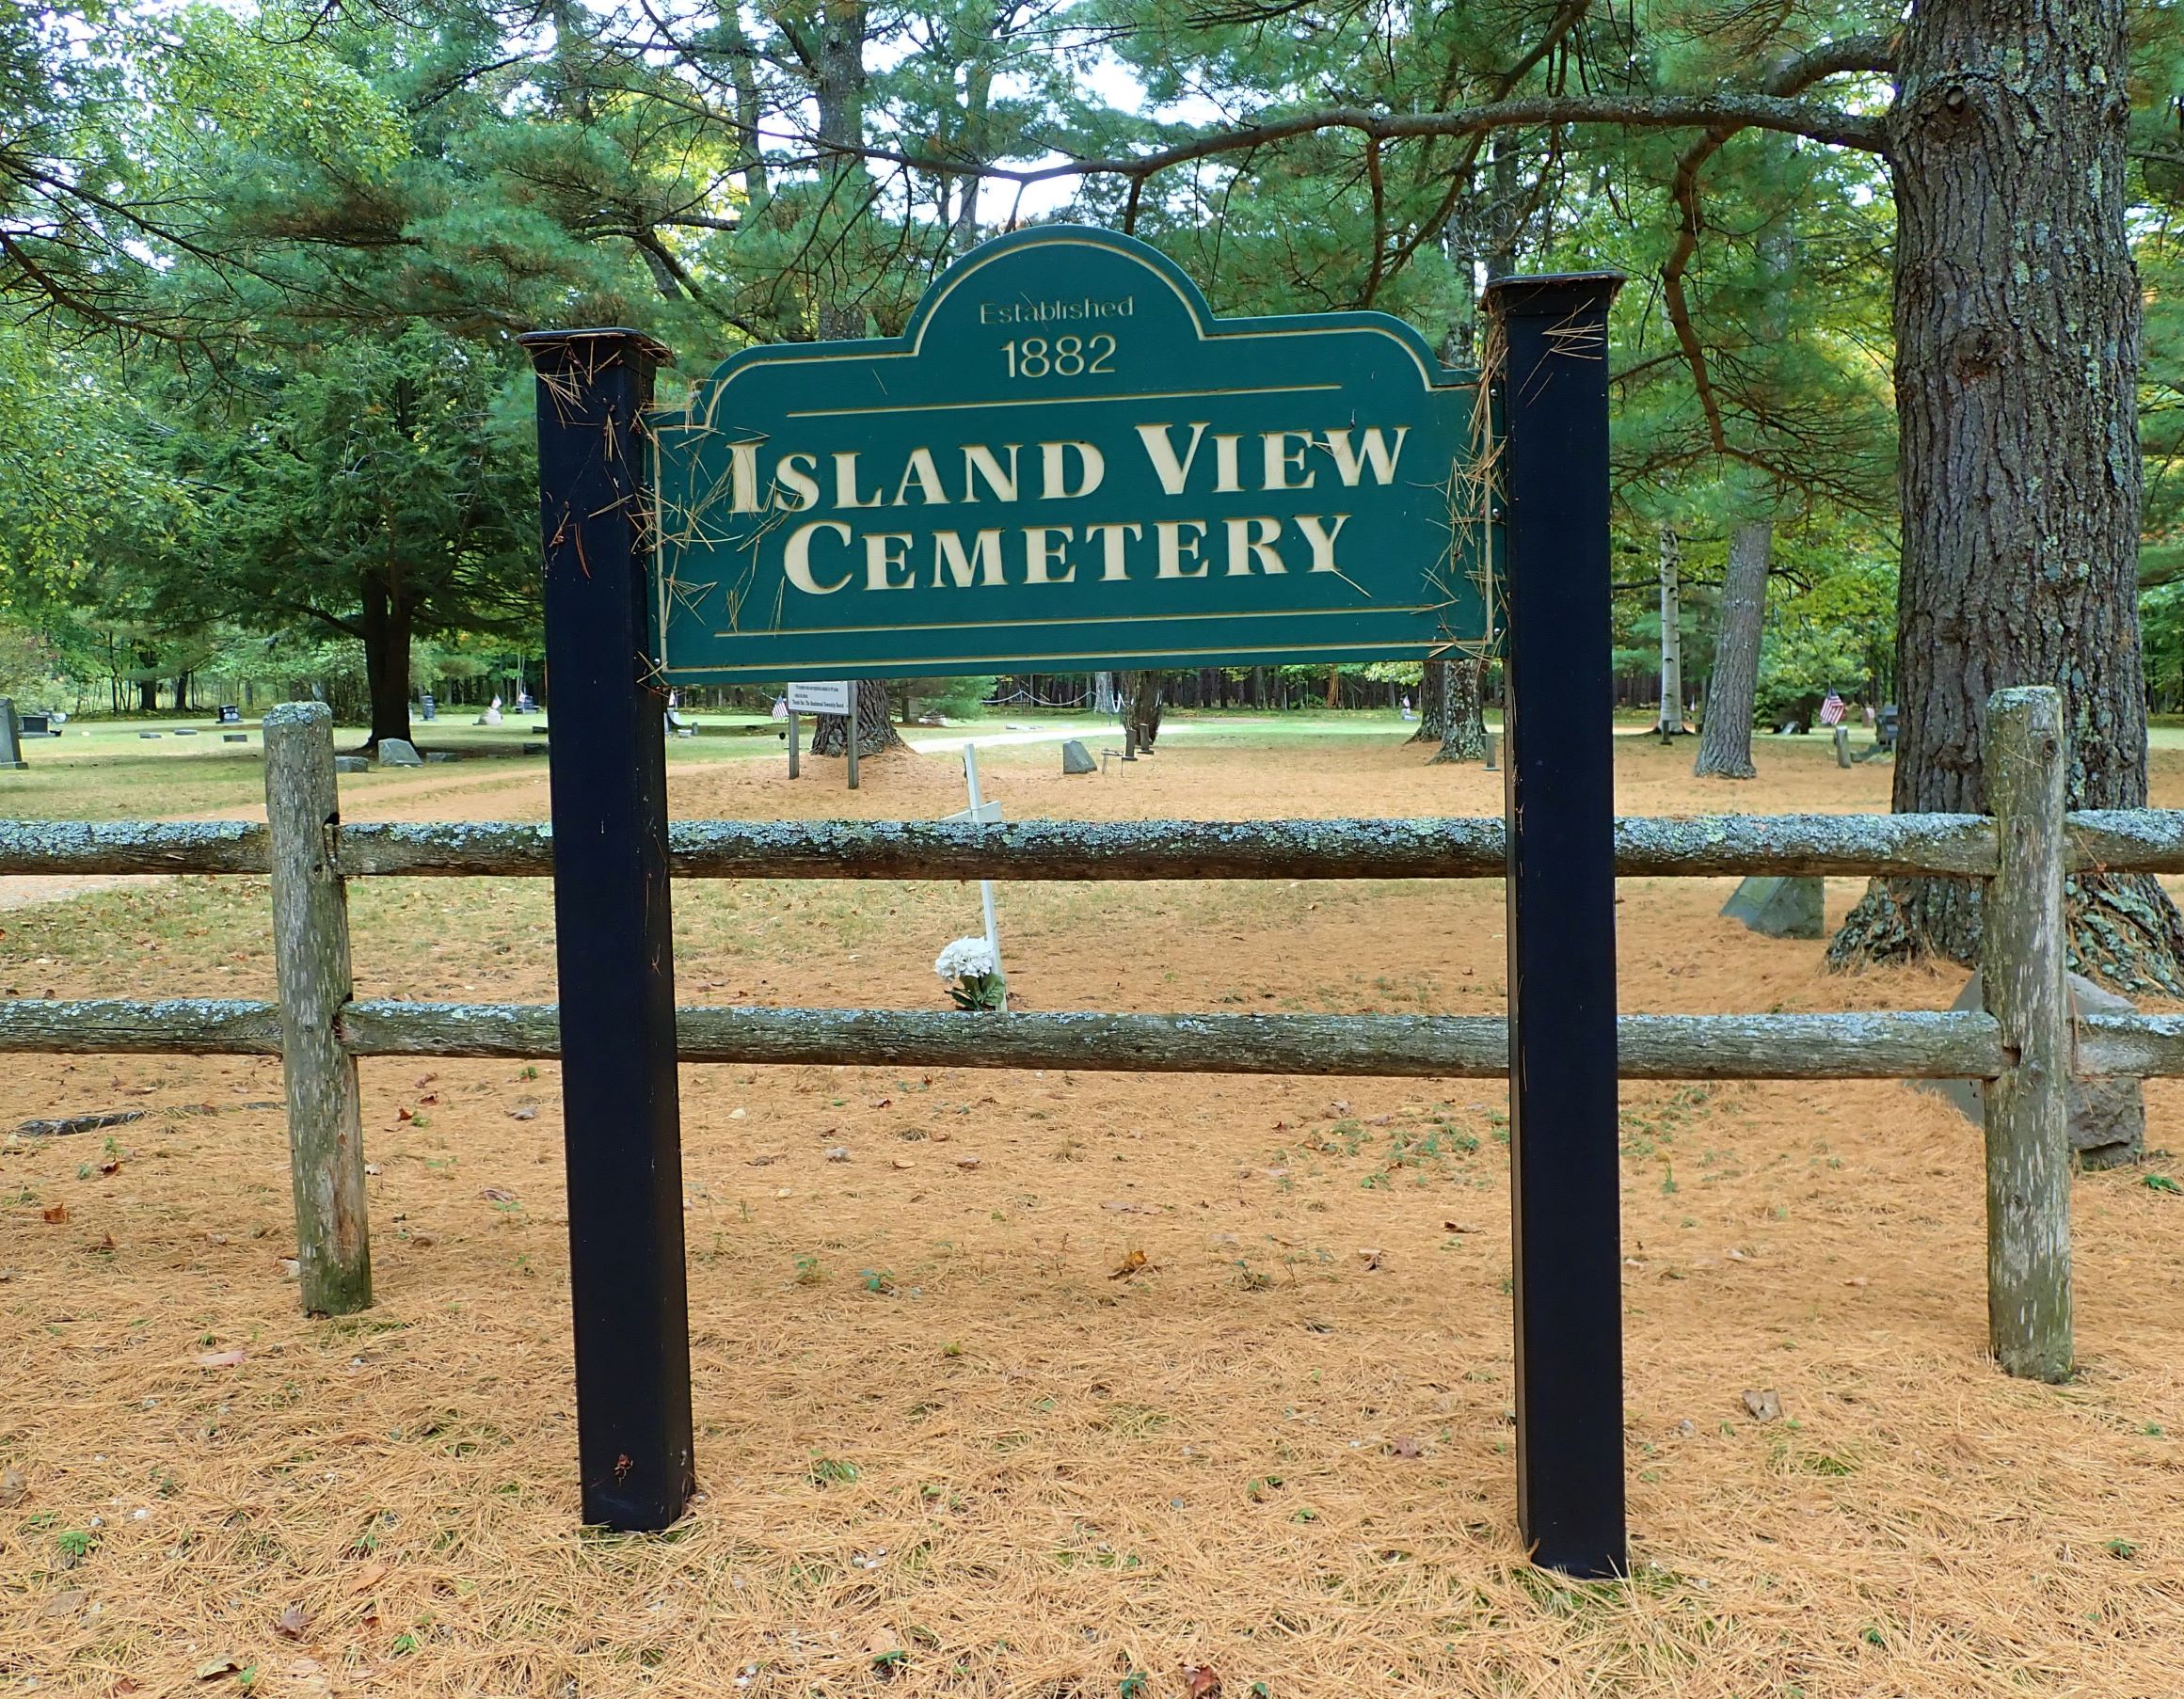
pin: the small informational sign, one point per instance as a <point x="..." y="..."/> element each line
<point x="835" y="696"/>
<point x="1067" y="461"/>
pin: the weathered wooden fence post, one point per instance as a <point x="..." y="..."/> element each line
<point x="310" y="958"/>
<point x="2024" y="950"/>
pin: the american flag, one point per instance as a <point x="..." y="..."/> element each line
<point x="1831" y="709"/>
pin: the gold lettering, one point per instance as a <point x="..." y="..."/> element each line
<point x="1172" y="550"/>
<point x="1282" y="460"/>
<point x="1170" y="471"/>
<point x="1111" y="546"/>
<point x="882" y="562"/>
<point x="1349" y="465"/>
<point x="984" y="558"/>
<point x="1254" y="539"/>
<point x="979" y="462"/>
<point x="1321" y="539"/>
<point x="744" y="477"/>
<point x="1224" y="464"/>
<point x="1039" y="553"/>
<point x="801" y="483"/>
<point x="926" y="475"/>
<point x="796" y="557"/>
<point x="845" y="482"/>
<point x="1054" y="470"/>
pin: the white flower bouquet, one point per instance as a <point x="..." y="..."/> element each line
<point x="974" y="975"/>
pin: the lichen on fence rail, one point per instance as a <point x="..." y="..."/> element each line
<point x="1862" y="1045"/>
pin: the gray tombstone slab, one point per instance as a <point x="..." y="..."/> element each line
<point x="2108" y="1116"/>
<point x="10" y="737"/>
<point x="1077" y="758"/>
<point x="234" y="737"/>
<point x="351" y="764"/>
<point x="399" y="752"/>
<point x="1781" y="907"/>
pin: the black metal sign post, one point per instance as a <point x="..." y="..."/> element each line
<point x="1561" y="922"/>
<point x="611" y="905"/>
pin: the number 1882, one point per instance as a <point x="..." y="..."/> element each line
<point x="1065" y="356"/>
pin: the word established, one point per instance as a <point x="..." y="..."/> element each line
<point x="1176" y="491"/>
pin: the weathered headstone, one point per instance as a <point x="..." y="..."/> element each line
<point x="351" y="764"/>
<point x="2108" y="1116"/>
<point x="399" y="752"/>
<point x="185" y="731"/>
<point x="234" y="737"/>
<point x="438" y="754"/>
<point x="10" y="737"/>
<point x="1077" y="758"/>
<point x="1842" y="746"/>
<point x="1782" y="907"/>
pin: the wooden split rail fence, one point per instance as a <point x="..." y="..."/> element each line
<point x="2027" y="1045"/>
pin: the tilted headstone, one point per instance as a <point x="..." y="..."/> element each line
<point x="2108" y="1114"/>
<point x="399" y="752"/>
<point x="1782" y="907"/>
<point x="351" y="764"/>
<point x="1077" y="758"/>
<point x="10" y="737"/>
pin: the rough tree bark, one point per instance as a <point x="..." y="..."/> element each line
<point x="385" y="625"/>
<point x="1463" y="735"/>
<point x="2016" y="320"/>
<point x="875" y="724"/>
<point x="1725" y="737"/>
<point x="1432" y="703"/>
<point x="1142" y="704"/>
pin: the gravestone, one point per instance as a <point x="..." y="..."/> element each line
<point x="185" y="731"/>
<point x="36" y="726"/>
<point x="1781" y="907"/>
<point x="230" y="714"/>
<point x="152" y="734"/>
<point x="2108" y="1116"/>
<point x="1842" y="746"/>
<point x="399" y="752"/>
<point x="1077" y="758"/>
<point x="234" y="737"/>
<point x="438" y="754"/>
<point x="428" y="705"/>
<point x="351" y="764"/>
<point x="10" y="737"/>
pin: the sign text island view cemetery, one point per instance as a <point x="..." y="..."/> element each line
<point x="1068" y="462"/>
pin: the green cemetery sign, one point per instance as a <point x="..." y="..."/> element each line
<point x="1066" y="461"/>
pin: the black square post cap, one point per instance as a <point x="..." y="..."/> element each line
<point x="543" y="345"/>
<point x="1552" y="294"/>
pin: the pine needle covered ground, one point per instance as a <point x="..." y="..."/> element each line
<point x="1074" y="1385"/>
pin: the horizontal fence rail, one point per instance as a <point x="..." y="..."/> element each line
<point x="1848" y="845"/>
<point x="1913" y="1045"/>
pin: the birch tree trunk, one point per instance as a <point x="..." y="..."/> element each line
<point x="1725" y="738"/>
<point x="2016" y="320"/>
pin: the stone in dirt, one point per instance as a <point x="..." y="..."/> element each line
<point x="351" y="764"/>
<point x="1782" y="907"/>
<point x="399" y="752"/>
<point x="2108" y="1116"/>
<point x="1077" y="758"/>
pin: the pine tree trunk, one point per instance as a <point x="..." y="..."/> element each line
<point x="2017" y="320"/>
<point x="386" y="622"/>
<point x="1141" y="704"/>
<point x="875" y="724"/>
<point x="1463" y="735"/>
<point x="1725" y="738"/>
<point x="1432" y="703"/>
